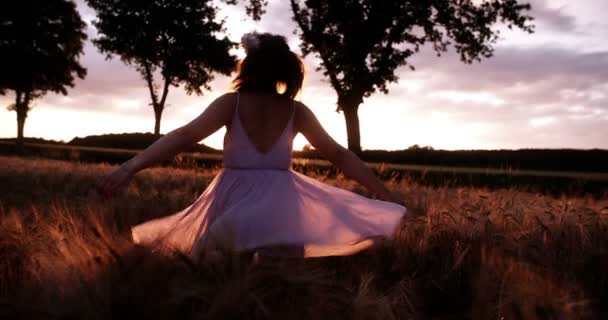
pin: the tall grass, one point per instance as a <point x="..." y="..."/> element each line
<point x="463" y="253"/>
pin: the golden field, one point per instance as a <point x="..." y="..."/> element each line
<point x="462" y="253"/>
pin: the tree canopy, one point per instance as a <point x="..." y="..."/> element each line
<point x="375" y="37"/>
<point x="254" y="8"/>
<point x="177" y="38"/>
<point x="361" y="43"/>
<point x="40" y="46"/>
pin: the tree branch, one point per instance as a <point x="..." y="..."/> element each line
<point x="165" y="92"/>
<point x="18" y="100"/>
<point x="26" y="101"/>
<point x="307" y="34"/>
<point x="166" y="75"/>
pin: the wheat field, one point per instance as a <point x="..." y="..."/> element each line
<point x="462" y="253"/>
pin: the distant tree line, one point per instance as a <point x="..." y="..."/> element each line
<point x="590" y="162"/>
<point x="133" y="141"/>
<point x="526" y="159"/>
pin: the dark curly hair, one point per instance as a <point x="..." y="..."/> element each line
<point x="270" y="67"/>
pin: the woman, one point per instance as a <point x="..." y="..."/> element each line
<point x="257" y="203"/>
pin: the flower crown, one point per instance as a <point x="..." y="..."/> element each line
<point x="250" y="41"/>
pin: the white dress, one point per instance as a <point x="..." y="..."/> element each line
<point x="258" y="203"/>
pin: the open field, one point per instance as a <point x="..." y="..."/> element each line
<point x="554" y="182"/>
<point x="464" y="252"/>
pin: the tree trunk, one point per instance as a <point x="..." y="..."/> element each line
<point x="352" y="127"/>
<point x="158" y="112"/>
<point x="20" y="125"/>
<point x="160" y="106"/>
<point x="21" y="107"/>
<point x="157" y="104"/>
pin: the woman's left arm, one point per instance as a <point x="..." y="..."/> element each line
<point x="215" y="116"/>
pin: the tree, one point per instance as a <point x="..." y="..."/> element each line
<point x="417" y="147"/>
<point x="40" y="43"/>
<point x="175" y="37"/>
<point x="254" y="8"/>
<point x="361" y="43"/>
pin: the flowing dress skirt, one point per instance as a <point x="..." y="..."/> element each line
<point x="248" y="209"/>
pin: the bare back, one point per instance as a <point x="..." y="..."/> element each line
<point x="264" y="118"/>
<point x="260" y="133"/>
<point x="263" y="122"/>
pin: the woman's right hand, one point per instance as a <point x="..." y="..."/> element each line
<point x="111" y="182"/>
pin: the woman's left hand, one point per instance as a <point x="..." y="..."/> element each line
<point x="392" y="196"/>
<point x="396" y="197"/>
<point x="116" y="179"/>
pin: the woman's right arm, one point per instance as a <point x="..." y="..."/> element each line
<point x="216" y="115"/>
<point x="345" y="160"/>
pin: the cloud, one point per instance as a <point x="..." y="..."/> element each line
<point x="553" y="18"/>
<point x="512" y="96"/>
<point x="532" y="77"/>
<point x="512" y="64"/>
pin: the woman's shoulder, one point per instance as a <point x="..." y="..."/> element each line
<point x="223" y="106"/>
<point x="227" y="97"/>
<point x="303" y="115"/>
<point x="301" y="108"/>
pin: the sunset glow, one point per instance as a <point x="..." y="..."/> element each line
<point x="545" y="90"/>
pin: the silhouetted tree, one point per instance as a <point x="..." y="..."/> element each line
<point x="417" y="147"/>
<point x="254" y="8"/>
<point x="40" y="43"/>
<point x="362" y="42"/>
<point x="176" y="37"/>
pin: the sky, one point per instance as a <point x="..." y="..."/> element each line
<point x="548" y="89"/>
